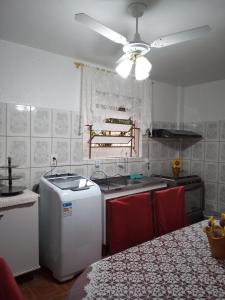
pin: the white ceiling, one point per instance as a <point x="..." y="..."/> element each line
<point x="50" y="25"/>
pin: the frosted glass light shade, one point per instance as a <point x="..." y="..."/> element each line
<point x="142" y="68"/>
<point x="124" y="67"/>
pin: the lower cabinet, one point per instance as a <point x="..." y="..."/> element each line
<point x="19" y="237"/>
<point x="129" y="221"/>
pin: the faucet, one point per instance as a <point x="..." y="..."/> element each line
<point x="125" y="161"/>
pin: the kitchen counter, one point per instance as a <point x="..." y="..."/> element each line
<point x="26" y="197"/>
<point x="120" y="186"/>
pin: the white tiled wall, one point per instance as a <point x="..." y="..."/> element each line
<point x="30" y="135"/>
<point x="207" y="159"/>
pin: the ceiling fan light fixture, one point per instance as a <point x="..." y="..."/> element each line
<point x="124" y="67"/>
<point x="142" y="68"/>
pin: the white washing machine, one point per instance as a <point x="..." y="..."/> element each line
<point x="70" y="224"/>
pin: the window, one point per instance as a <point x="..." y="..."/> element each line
<point x="109" y="105"/>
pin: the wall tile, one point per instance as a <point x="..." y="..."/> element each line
<point x="222" y="152"/>
<point x="163" y="153"/>
<point x="211" y="172"/>
<point x="211" y="202"/>
<point x="61" y="123"/>
<point x="135" y="168"/>
<point x="212" y="131"/>
<point x="18" y="120"/>
<point x="80" y="170"/>
<point x="40" y="152"/>
<point x="211" y="191"/>
<point x="36" y="174"/>
<point x="222" y="173"/>
<point x="2" y="119"/>
<point x="200" y="127"/>
<point x="156" y="124"/>
<point x="173" y="149"/>
<point x="2" y="150"/>
<point x="181" y="125"/>
<point x="197" y="168"/>
<point x="92" y="171"/>
<point x="41" y="122"/>
<point x="198" y="151"/>
<point x="76" y="130"/>
<point x="76" y="150"/>
<point x="186" y="150"/>
<point x="61" y="170"/>
<point x="154" y="150"/>
<point x="222" y="130"/>
<point x="166" y="125"/>
<point x="25" y="180"/>
<point x="121" y="166"/>
<point x="221" y="198"/>
<point x="155" y="167"/>
<point x="19" y="149"/>
<point x="211" y="151"/>
<point x="165" y="167"/>
<point x="186" y="166"/>
<point x="110" y="169"/>
<point x="145" y="148"/>
<point x="173" y="125"/>
<point x="61" y="147"/>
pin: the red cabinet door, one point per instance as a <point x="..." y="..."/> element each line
<point x="169" y="210"/>
<point x="129" y="221"/>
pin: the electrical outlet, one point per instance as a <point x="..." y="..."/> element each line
<point x="53" y="159"/>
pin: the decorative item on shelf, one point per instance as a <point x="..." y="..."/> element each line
<point x="10" y="190"/>
<point x="176" y="166"/>
<point x="119" y="121"/>
<point x="121" y="108"/>
<point x="104" y="145"/>
<point x="216" y="236"/>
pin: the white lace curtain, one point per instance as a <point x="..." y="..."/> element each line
<point x="107" y="95"/>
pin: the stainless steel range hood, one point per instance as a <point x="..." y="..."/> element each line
<point x="174" y="133"/>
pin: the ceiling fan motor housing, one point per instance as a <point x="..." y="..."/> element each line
<point x="139" y="48"/>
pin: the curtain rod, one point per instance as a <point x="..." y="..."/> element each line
<point x="81" y="64"/>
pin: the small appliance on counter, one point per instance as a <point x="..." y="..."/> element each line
<point x="10" y="190"/>
<point x="70" y="224"/>
<point x="194" y="193"/>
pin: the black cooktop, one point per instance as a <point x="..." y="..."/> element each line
<point x="170" y="176"/>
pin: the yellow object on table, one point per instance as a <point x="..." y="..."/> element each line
<point x="216" y="237"/>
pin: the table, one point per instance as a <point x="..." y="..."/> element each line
<point x="177" y="265"/>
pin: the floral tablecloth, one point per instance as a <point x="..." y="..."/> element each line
<point x="174" y="266"/>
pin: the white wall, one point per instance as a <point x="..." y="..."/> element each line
<point x="205" y="102"/>
<point x="32" y="76"/>
<point x="36" y="77"/>
<point x="165" y="102"/>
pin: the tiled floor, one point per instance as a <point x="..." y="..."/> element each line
<point x="44" y="287"/>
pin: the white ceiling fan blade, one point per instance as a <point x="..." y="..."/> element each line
<point x="180" y="37"/>
<point x="100" y="28"/>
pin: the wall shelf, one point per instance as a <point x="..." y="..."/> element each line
<point x="112" y="135"/>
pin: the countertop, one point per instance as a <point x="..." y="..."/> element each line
<point x="26" y="197"/>
<point x="143" y="185"/>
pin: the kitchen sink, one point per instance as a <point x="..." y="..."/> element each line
<point x="122" y="183"/>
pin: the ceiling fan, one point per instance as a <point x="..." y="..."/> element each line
<point x="135" y="50"/>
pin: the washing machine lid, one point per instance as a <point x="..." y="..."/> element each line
<point x="74" y="183"/>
